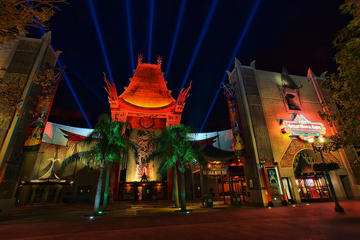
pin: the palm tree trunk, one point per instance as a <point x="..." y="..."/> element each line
<point x="202" y="186"/>
<point x="192" y="183"/>
<point x="106" y="190"/>
<point x="99" y="186"/>
<point x="183" y="191"/>
<point x="176" y="188"/>
<point x="338" y="208"/>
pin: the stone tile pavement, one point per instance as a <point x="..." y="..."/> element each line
<point x="158" y="221"/>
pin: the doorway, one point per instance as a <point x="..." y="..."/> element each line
<point x="288" y="189"/>
<point x="140" y="192"/>
<point x="312" y="186"/>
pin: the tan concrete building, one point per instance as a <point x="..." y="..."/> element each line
<point x="279" y="161"/>
<point x="21" y="62"/>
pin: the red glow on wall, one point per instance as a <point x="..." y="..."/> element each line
<point x="236" y="164"/>
<point x="146" y="102"/>
<point x="303" y="128"/>
<point x="148" y="88"/>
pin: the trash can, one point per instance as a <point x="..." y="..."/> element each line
<point x="236" y="199"/>
<point x="209" y="201"/>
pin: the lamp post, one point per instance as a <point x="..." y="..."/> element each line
<point x="320" y="146"/>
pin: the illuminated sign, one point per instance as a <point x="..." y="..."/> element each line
<point x="302" y="128"/>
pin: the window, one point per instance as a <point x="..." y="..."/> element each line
<point x="291" y="102"/>
<point x="291" y="99"/>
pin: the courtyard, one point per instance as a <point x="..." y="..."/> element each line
<point x="159" y="221"/>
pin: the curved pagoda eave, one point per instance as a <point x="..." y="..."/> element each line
<point x="131" y="107"/>
<point x="147" y="88"/>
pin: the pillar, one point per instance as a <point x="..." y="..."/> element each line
<point x="33" y="193"/>
<point x="45" y="194"/>
<point x="57" y="193"/>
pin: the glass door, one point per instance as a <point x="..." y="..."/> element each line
<point x="312" y="188"/>
<point x="288" y="189"/>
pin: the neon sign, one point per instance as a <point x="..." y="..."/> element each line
<point x="303" y="128"/>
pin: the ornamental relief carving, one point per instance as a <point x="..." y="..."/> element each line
<point x="295" y="147"/>
<point x="146" y="122"/>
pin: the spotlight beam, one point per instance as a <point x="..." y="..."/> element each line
<point x="67" y="80"/>
<point x="92" y="90"/>
<point x="131" y="47"/>
<point x="68" y="83"/>
<point x="199" y="42"/>
<point x="151" y="17"/>
<point x="238" y="45"/>
<point x="101" y="41"/>
<point x="173" y="44"/>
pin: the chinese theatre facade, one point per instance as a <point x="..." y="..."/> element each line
<point x="148" y="106"/>
<point x="282" y="131"/>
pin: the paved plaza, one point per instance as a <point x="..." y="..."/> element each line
<point x="158" y="221"/>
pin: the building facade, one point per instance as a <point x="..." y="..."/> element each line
<point x="279" y="119"/>
<point x="148" y="106"/>
<point x="22" y="63"/>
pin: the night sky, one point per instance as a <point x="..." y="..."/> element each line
<point x="294" y="34"/>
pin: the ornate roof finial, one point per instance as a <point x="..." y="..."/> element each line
<point x="287" y="81"/>
<point x="159" y="60"/>
<point x="140" y="57"/>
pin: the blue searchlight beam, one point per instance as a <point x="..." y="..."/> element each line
<point x="67" y="80"/>
<point x="88" y="86"/>
<point x="151" y="16"/>
<point x="173" y="44"/>
<point x="129" y="27"/>
<point x="101" y="41"/>
<point x="238" y="45"/>
<point x="68" y="83"/>
<point x="199" y="42"/>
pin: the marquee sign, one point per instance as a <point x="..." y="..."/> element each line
<point x="303" y="128"/>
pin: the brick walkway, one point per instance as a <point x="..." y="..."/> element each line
<point x="158" y="221"/>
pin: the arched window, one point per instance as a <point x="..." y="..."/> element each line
<point x="303" y="161"/>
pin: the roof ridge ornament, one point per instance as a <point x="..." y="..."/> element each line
<point x="110" y="88"/>
<point x="287" y="81"/>
<point x="140" y="57"/>
<point x="159" y="60"/>
<point x="252" y="64"/>
<point x="310" y="74"/>
<point x="184" y="94"/>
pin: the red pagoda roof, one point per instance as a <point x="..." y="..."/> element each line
<point x="147" y="88"/>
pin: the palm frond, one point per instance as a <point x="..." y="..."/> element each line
<point x="86" y="157"/>
<point x="173" y="146"/>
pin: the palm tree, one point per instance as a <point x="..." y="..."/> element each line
<point x="175" y="150"/>
<point x="107" y="143"/>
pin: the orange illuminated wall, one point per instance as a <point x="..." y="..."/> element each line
<point x="146" y="103"/>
